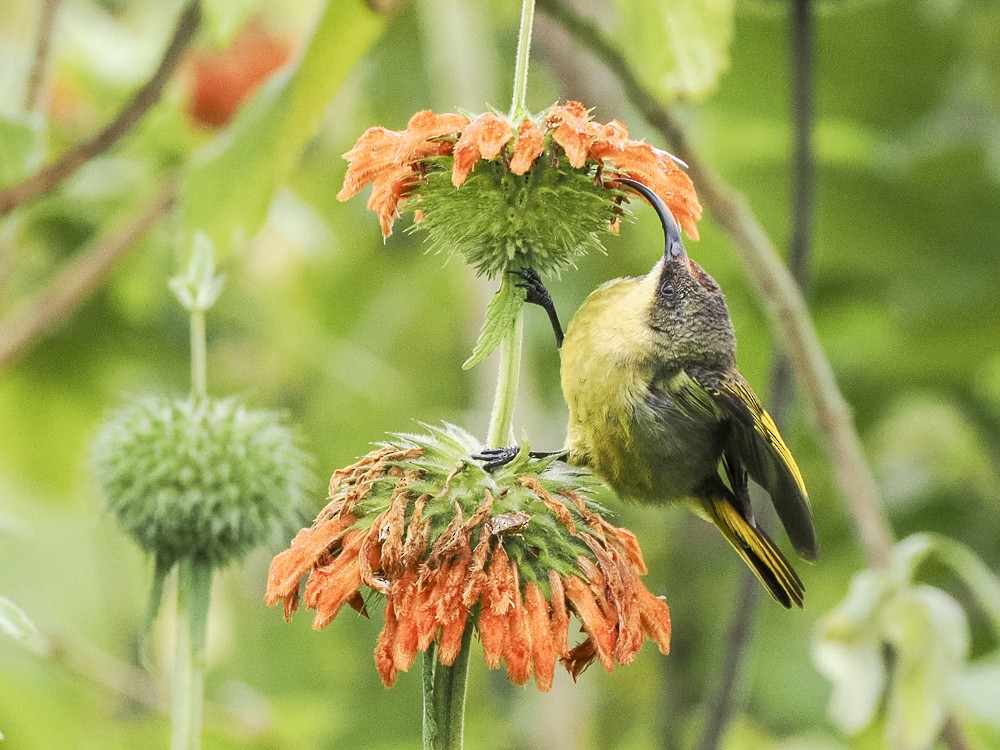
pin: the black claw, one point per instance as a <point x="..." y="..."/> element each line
<point x="537" y="294"/>
<point x="494" y="458"/>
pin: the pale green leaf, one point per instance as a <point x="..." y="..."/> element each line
<point x="929" y="635"/>
<point x="857" y="673"/>
<point x="227" y="194"/>
<point x="680" y="48"/>
<point x="977" y="692"/>
<point x="984" y="583"/>
<point x="13" y="622"/>
<point x="501" y="317"/>
<point x="847" y="649"/>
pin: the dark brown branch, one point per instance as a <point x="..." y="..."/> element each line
<point x="782" y="298"/>
<point x="78" y="280"/>
<point x="47" y="178"/>
<point x="40" y="62"/>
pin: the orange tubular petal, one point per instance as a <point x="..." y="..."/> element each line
<point x="631" y="544"/>
<point x="517" y="650"/>
<point x="579" y="658"/>
<point x="544" y="651"/>
<point x="527" y="148"/>
<point x="560" y="615"/>
<point x="331" y="585"/>
<point x="451" y="638"/>
<point x="574" y="130"/>
<point x="493" y="633"/>
<point x="384" y="660"/>
<point x="655" y="615"/>
<point x="288" y="567"/>
<point x="483" y="138"/>
<point x="602" y="633"/>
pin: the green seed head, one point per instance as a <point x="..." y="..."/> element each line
<point x="197" y="478"/>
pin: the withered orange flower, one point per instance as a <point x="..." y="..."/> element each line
<point x="395" y="162"/>
<point x="442" y="567"/>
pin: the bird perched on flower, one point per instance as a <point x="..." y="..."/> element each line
<point x="657" y="406"/>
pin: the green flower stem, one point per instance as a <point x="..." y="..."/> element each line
<point x="519" y="106"/>
<point x="506" y="394"/>
<point x="194" y="581"/>
<point x="199" y="353"/>
<point x="444" y="697"/>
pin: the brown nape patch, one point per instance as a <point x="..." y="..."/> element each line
<point x="706" y="281"/>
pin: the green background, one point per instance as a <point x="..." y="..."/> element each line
<point x="354" y="337"/>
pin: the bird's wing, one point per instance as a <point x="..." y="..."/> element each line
<point x="755" y="442"/>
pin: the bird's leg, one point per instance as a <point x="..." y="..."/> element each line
<point x="537" y="294"/>
<point x="494" y="458"/>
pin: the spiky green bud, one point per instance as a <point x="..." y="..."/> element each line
<point x="199" y="478"/>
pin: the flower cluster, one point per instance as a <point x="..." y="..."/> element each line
<point x="449" y="546"/>
<point x="537" y="194"/>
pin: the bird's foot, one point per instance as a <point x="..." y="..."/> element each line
<point x="494" y="458"/>
<point x="535" y="292"/>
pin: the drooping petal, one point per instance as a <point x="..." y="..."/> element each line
<point x="601" y="632"/>
<point x="528" y="147"/>
<point x="544" y="652"/>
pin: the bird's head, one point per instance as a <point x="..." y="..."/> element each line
<point x="688" y="308"/>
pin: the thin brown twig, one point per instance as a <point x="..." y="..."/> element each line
<point x="777" y="289"/>
<point x="43" y="46"/>
<point x="78" y="280"/>
<point x="51" y="175"/>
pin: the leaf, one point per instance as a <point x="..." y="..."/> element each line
<point x="847" y="649"/>
<point x="501" y="317"/>
<point x="930" y="638"/>
<point x="680" y="48"/>
<point x="985" y="584"/>
<point x="977" y="691"/>
<point x="13" y="622"/>
<point x="228" y="193"/>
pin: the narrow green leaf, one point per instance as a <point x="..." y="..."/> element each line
<point x="680" y="48"/>
<point x="501" y="317"/>
<point x="160" y="570"/>
<point x="13" y="622"/>
<point x="228" y="193"/>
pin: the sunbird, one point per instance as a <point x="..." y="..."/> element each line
<point x="659" y="410"/>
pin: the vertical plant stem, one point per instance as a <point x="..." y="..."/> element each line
<point x="43" y="46"/>
<point x="502" y="415"/>
<point x="519" y="106"/>
<point x="194" y="581"/>
<point x="199" y="353"/>
<point x="444" y="697"/>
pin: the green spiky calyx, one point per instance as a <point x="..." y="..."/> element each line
<point x="199" y="478"/>
<point x="443" y="471"/>
<point x="546" y="219"/>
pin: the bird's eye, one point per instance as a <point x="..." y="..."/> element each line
<point x="666" y="289"/>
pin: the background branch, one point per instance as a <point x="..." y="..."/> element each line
<point x="43" y="46"/>
<point x="78" y="280"/>
<point x="47" y="178"/>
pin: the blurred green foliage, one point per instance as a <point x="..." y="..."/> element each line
<point x="356" y="338"/>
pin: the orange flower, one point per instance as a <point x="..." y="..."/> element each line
<point x="395" y="162"/>
<point x="442" y="568"/>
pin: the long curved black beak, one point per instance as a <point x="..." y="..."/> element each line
<point x="673" y="246"/>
